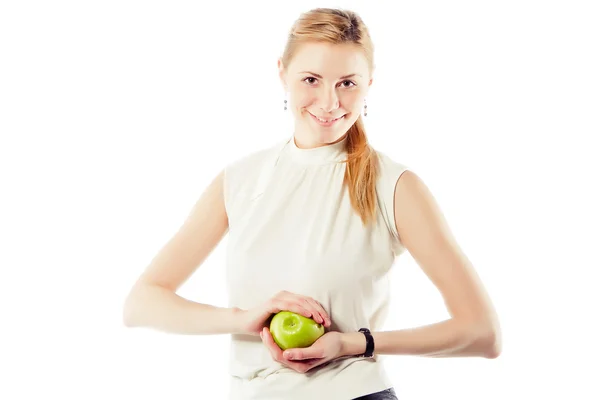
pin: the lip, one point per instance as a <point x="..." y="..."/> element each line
<point x="327" y="124"/>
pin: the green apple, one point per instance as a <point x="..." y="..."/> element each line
<point x="291" y="330"/>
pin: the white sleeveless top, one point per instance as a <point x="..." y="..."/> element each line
<point x="292" y="227"/>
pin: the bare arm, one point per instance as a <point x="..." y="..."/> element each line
<point x="153" y="302"/>
<point x="473" y="329"/>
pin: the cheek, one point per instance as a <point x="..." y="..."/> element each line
<point x="302" y="100"/>
<point x="354" y="103"/>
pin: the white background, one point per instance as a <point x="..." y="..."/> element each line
<point x="115" y="116"/>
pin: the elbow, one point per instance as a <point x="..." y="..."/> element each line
<point x="491" y="340"/>
<point x="494" y="345"/>
<point x="127" y="314"/>
<point x="137" y="310"/>
<point x="484" y="338"/>
<point x="129" y="309"/>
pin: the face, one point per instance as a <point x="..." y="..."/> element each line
<point x="327" y="85"/>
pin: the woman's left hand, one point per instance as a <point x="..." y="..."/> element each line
<point x="328" y="347"/>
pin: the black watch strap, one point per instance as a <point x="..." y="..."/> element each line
<point x="370" y="342"/>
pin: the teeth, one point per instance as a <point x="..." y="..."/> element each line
<point x="326" y="121"/>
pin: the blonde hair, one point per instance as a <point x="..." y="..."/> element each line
<point x="337" y="26"/>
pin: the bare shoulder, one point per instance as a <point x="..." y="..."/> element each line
<point x="186" y="250"/>
<point x="415" y="203"/>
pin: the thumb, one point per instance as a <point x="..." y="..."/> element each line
<point x="303" y="354"/>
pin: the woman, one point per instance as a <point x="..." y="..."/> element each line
<point x="314" y="225"/>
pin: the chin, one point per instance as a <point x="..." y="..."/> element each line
<point x="327" y="137"/>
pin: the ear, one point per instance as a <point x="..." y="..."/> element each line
<point x="282" y="76"/>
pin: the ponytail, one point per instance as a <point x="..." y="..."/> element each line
<point x="362" y="170"/>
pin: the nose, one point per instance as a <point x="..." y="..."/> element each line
<point x="328" y="100"/>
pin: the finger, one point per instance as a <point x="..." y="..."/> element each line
<point x="315" y="363"/>
<point x="290" y="306"/>
<point x="277" y="353"/>
<point x="314" y="309"/>
<point x="310" y="304"/>
<point x="308" y="365"/>
<point x="309" y="353"/>
<point x="296" y="303"/>
<point x="304" y="366"/>
<point x="325" y="319"/>
<point x="300" y="308"/>
<point x="273" y="348"/>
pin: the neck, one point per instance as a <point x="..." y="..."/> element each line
<point x="308" y="140"/>
<point x="316" y="152"/>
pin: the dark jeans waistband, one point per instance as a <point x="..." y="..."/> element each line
<point x="388" y="394"/>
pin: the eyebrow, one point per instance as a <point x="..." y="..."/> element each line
<point x="319" y="76"/>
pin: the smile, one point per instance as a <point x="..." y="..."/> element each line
<point x="324" y="122"/>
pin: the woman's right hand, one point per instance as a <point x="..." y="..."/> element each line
<point x="253" y="320"/>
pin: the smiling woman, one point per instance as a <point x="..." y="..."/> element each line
<point x="326" y="208"/>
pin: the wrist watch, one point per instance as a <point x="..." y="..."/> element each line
<point x="370" y="343"/>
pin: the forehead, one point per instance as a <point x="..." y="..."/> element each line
<point x="329" y="60"/>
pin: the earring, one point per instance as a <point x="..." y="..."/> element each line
<point x="365" y="108"/>
<point x="284" y="105"/>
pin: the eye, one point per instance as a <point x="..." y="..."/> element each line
<point x="343" y="83"/>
